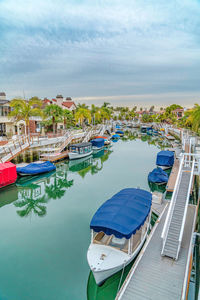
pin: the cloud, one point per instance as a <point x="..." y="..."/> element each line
<point x="103" y="48"/>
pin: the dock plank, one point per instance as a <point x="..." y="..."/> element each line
<point x="156" y="277"/>
<point x="173" y="176"/>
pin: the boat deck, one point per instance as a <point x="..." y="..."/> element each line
<point x="155" y="277"/>
<point x="54" y="157"/>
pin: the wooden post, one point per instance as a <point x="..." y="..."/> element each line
<point x="4" y="150"/>
<point x="11" y="152"/>
<point x="14" y="144"/>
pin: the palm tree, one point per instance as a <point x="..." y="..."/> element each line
<point x="83" y="114"/>
<point x="195" y="117"/>
<point x="54" y="113"/>
<point x="67" y="118"/>
<point x="23" y="109"/>
<point x="105" y="104"/>
<point x="82" y="106"/>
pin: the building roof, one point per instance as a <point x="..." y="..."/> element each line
<point x="2" y="102"/>
<point x="2" y="94"/>
<point x="59" y="96"/>
<point x="68" y="104"/>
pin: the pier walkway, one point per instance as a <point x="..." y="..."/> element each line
<point x="156" y="277"/>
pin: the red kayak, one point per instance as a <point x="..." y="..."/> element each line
<point x="8" y="174"/>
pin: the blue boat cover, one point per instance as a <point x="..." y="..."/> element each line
<point x="98" y="142"/>
<point x="115" y="136"/>
<point x="37" y="168"/>
<point x="158" y="176"/>
<point x="119" y="132"/>
<point x="165" y="158"/>
<point x="123" y="214"/>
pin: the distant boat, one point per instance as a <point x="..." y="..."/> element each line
<point x="119" y="132"/>
<point x="97" y="144"/>
<point x="118" y="231"/>
<point x="165" y="159"/>
<point x="158" y="176"/>
<point x="36" y="168"/>
<point x="80" y="150"/>
<point x="115" y="136"/>
<point x="8" y="174"/>
<point x="106" y="139"/>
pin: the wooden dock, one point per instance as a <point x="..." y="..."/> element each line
<point x="173" y="176"/>
<point x="55" y="156"/>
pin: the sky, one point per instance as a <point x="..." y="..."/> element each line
<point x="126" y="52"/>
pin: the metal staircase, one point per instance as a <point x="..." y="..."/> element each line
<point x="174" y="225"/>
<point x="68" y="138"/>
<point x="14" y="148"/>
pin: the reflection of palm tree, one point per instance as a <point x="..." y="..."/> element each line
<point x="31" y="205"/>
<point x="55" y="190"/>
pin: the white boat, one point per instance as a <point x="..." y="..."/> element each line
<point x="80" y="150"/>
<point x="118" y="232"/>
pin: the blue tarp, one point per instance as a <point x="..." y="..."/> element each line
<point x="158" y="176"/>
<point x="117" y="126"/>
<point x="115" y="136"/>
<point x="165" y="158"/>
<point x="98" y="142"/>
<point x="36" y="168"/>
<point x="123" y="214"/>
<point x="119" y="132"/>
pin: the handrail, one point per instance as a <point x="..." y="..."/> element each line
<point x="173" y="200"/>
<point x="186" y="206"/>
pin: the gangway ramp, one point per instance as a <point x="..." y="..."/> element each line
<point x="174" y="225"/>
<point x="153" y="276"/>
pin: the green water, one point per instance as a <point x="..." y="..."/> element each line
<point x="44" y="222"/>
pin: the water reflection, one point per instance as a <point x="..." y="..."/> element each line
<point x="155" y="140"/>
<point x="33" y="193"/>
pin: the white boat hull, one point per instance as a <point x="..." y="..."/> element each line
<point x="116" y="261"/>
<point x="96" y="149"/>
<point x="74" y="155"/>
<point x="164" y="167"/>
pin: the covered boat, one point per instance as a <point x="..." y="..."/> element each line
<point x="118" y="231"/>
<point x="8" y="174"/>
<point x="80" y="150"/>
<point x="158" y="176"/>
<point x="165" y="159"/>
<point x="106" y="139"/>
<point x="97" y="144"/>
<point x="36" y="168"/>
<point x="115" y="136"/>
<point x="119" y="132"/>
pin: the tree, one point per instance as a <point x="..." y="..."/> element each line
<point x="82" y="106"/>
<point x="152" y="108"/>
<point x="105" y="104"/>
<point x="82" y="114"/>
<point x="195" y="117"/>
<point x="24" y="109"/>
<point x="67" y="118"/>
<point x="54" y="113"/>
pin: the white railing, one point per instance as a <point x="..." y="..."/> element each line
<point x="186" y="206"/>
<point x="172" y="204"/>
<point x="15" y="147"/>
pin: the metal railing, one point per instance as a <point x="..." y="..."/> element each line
<point x="186" y="206"/>
<point x="172" y="204"/>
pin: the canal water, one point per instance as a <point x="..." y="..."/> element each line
<point x="44" y="221"/>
